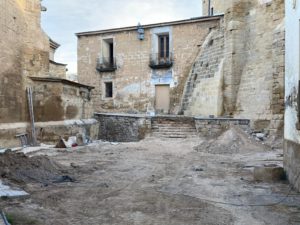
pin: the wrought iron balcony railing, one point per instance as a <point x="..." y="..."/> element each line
<point x="161" y="60"/>
<point x="106" y="64"/>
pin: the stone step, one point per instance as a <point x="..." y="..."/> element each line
<point x="173" y="124"/>
<point x="174" y="130"/>
<point x="174" y="135"/>
<point x="171" y="127"/>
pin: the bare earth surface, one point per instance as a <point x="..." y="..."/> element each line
<point x="155" y="181"/>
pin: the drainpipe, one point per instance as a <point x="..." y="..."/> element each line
<point x="209" y="7"/>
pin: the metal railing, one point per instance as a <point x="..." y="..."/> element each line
<point x="106" y="64"/>
<point x="161" y="60"/>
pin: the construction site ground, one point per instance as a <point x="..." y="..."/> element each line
<point x="154" y="181"/>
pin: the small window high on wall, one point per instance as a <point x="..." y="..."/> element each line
<point x="108" y="89"/>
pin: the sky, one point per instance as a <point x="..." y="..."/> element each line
<point x="64" y="18"/>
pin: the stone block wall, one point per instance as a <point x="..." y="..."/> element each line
<point x="123" y="128"/>
<point x="214" y="127"/>
<point x="24" y="51"/>
<point x="51" y="132"/>
<point x="203" y="93"/>
<point x="134" y="81"/>
<point x="256" y="96"/>
<point x="218" y="6"/>
<point x="57" y="70"/>
<point x="55" y="101"/>
<point x="253" y="83"/>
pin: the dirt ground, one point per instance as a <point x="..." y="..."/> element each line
<point x="154" y="181"/>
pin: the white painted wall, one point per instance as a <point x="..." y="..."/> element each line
<point x="292" y="66"/>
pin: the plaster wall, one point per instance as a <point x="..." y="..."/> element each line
<point x="291" y="125"/>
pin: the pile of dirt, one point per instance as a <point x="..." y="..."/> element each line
<point x="19" y="168"/>
<point x="232" y="141"/>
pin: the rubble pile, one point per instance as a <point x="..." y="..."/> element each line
<point x="232" y="141"/>
<point x="21" y="169"/>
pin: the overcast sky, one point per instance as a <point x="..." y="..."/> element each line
<point x="63" y="18"/>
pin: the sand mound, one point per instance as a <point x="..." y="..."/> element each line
<point x="20" y="168"/>
<point x="232" y="141"/>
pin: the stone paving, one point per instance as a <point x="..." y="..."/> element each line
<point x="6" y="191"/>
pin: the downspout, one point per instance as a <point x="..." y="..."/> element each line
<point x="209" y="8"/>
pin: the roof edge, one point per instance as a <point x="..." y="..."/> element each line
<point x="61" y="80"/>
<point x="176" y="22"/>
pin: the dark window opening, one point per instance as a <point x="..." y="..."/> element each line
<point x="108" y="90"/>
<point x="164" y="46"/>
<point x="212" y="11"/>
<point x="298" y="101"/>
<point x="111" y="53"/>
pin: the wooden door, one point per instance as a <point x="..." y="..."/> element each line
<point x="162" y="98"/>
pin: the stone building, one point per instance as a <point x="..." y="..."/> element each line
<point x="27" y="60"/>
<point x="252" y="83"/>
<point x="230" y="62"/>
<point x="141" y="68"/>
<point x="292" y="93"/>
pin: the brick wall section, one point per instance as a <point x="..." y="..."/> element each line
<point x="132" y="81"/>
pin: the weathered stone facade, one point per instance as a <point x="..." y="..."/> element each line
<point x="134" y="81"/>
<point x="24" y="51"/>
<point x="248" y="82"/>
<point x="58" y="99"/>
<point x="27" y="53"/>
<point x="134" y="127"/>
<point x="235" y="71"/>
<point x="214" y="7"/>
<point x="203" y="94"/>
<point x="292" y="93"/>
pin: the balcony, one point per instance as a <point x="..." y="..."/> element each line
<point x="161" y="60"/>
<point x="106" y="64"/>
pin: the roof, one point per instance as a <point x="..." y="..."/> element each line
<point x="60" y="80"/>
<point x="57" y="63"/>
<point x="177" y="22"/>
<point x="53" y="44"/>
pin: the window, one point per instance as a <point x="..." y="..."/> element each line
<point x="212" y="11"/>
<point x="108" y="89"/>
<point x="163" y="46"/>
<point x="108" y="52"/>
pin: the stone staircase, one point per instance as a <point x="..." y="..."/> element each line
<point x="173" y="127"/>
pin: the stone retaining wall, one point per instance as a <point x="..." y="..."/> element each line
<point x="123" y="127"/>
<point x="47" y="132"/>
<point x="215" y="126"/>
<point x="128" y="127"/>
